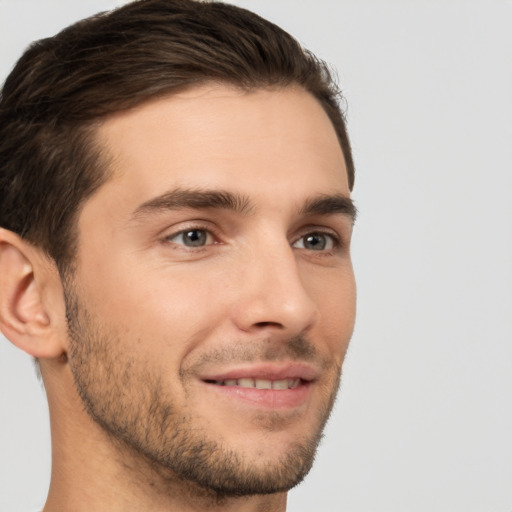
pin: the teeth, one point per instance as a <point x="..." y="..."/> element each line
<point x="263" y="384"/>
<point x="260" y="383"/>
<point x="296" y="383"/>
<point x="246" y="383"/>
<point x="280" y="384"/>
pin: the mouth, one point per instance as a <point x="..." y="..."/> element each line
<point x="269" y="387"/>
<point x="249" y="383"/>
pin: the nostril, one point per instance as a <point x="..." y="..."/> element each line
<point x="268" y="324"/>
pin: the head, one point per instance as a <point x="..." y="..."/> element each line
<point x="148" y="154"/>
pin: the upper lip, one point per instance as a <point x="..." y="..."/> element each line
<point x="266" y="371"/>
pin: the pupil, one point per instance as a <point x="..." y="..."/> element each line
<point x="194" y="238"/>
<point x="315" y="241"/>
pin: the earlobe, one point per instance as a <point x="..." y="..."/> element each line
<point x="24" y="319"/>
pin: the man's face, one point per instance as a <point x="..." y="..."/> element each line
<point x="214" y="296"/>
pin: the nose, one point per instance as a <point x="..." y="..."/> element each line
<point x="272" y="296"/>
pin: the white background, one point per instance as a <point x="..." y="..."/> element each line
<point x="424" y="422"/>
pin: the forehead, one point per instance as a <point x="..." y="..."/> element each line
<point x="265" y="141"/>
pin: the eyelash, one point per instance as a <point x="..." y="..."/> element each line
<point x="335" y="239"/>
<point x="207" y="230"/>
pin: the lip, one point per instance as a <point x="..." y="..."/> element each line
<point x="270" y="399"/>
<point x="302" y="371"/>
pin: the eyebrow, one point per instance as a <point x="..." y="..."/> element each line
<point x="194" y="199"/>
<point x="225" y="200"/>
<point x="329" y="205"/>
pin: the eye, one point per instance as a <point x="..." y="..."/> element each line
<point x="316" y="242"/>
<point x="192" y="238"/>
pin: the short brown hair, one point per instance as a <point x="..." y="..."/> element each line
<point x="62" y="86"/>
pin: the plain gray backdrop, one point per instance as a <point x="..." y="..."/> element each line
<point x="424" y="420"/>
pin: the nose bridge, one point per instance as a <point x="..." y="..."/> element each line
<point x="272" y="294"/>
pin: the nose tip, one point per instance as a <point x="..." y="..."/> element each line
<point x="273" y="297"/>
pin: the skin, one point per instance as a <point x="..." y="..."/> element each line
<point x="154" y="319"/>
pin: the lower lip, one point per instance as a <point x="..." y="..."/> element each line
<point x="266" y="398"/>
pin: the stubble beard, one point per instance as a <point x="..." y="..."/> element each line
<point x="132" y="405"/>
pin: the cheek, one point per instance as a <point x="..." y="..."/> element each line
<point x="155" y="310"/>
<point x="336" y="301"/>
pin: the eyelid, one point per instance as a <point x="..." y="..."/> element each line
<point x="337" y="238"/>
<point x="334" y="241"/>
<point x="208" y="241"/>
<point x="190" y="226"/>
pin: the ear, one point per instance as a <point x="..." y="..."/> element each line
<point x="31" y="313"/>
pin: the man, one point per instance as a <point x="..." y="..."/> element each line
<point x="175" y="252"/>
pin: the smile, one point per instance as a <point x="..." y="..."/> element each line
<point x="282" y="384"/>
